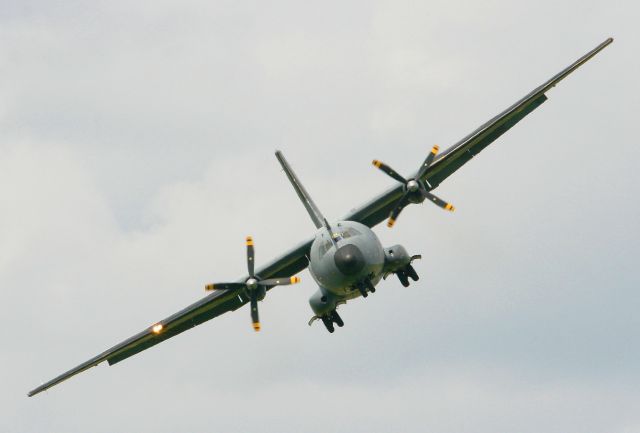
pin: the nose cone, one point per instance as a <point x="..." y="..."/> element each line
<point x="349" y="259"/>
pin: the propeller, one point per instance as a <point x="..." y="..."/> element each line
<point x="413" y="187"/>
<point x="253" y="287"/>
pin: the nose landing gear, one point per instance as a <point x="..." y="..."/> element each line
<point x="365" y="286"/>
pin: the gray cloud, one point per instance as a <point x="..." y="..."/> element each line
<point x="136" y="138"/>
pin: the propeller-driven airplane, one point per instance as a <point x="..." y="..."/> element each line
<point x="345" y="258"/>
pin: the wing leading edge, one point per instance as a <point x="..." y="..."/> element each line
<point x="295" y="260"/>
<point x="207" y="308"/>
<point x="460" y="153"/>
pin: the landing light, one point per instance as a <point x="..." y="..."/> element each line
<point x="157" y="328"/>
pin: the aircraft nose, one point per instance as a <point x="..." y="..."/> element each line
<point x="349" y="259"/>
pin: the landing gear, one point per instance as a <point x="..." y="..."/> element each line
<point x="370" y="285"/>
<point x="335" y="318"/>
<point x="406" y="273"/>
<point x="402" y="276"/>
<point x="328" y="323"/>
<point x="329" y="320"/>
<point x="365" y="286"/>
<point x="398" y="261"/>
<point x="412" y="273"/>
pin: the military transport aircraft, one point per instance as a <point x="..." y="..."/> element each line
<point x="345" y="258"/>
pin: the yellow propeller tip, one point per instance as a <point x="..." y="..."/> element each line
<point x="450" y="207"/>
<point x="249" y="240"/>
<point x="391" y="222"/>
<point x="209" y="287"/>
<point x="376" y="163"/>
<point x="256" y="326"/>
<point x="295" y="280"/>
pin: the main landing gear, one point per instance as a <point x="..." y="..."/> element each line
<point x="406" y="273"/>
<point x="330" y="319"/>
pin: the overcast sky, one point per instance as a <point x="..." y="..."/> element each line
<point x="136" y="152"/>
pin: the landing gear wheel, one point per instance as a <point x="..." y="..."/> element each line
<point x="335" y="318"/>
<point x="412" y="273"/>
<point x="328" y="324"/>
<point x="370" y="286"/>
<point x="403" y="278"/>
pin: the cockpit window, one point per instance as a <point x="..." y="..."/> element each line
<point x="349" y="232"/>
<point x="337" y="236"/>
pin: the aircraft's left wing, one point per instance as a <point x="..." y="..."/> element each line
<point x="463" y="151"/>
<point x="213" y="305"/>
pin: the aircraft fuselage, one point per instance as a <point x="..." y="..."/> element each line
<point x="349" y="265"/>
<point x="354" y="253"/>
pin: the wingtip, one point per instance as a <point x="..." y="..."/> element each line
<point x="35" y="391"/>
<point x="281" y="159"/>
<point x="605" y="43"/>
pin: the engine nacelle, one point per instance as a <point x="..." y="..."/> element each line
<point x="261" y="292"/>
<point x="323" y="302"/>
<point x="398" y="261"/>
<point x="395" y="258"/>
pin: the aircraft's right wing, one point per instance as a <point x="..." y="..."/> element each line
<point x="212" y="305"/>
<point x="457" y="155"/>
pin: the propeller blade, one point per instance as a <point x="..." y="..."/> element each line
<point x="224" y="286"/>
<point x="428" y="161"/>
<point x="438" y="201"/>
<point x="250" y="256"/>
<point x="255" y="319"/>
<point x="389" y="171"/>
<point x="396" y="210"/>
<point x="285" y="281"/>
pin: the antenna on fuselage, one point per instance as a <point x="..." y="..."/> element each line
<point x="316" y="216"/>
